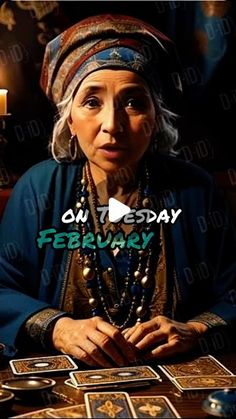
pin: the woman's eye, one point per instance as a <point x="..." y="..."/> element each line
<point x="92" y="102"/>
<point x="134" y="103"/>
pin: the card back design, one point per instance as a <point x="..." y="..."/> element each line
<point x="108" y="405"/>
<point x="206" y="365"/>
<point x="113" y="375"/>
<point x="76" y="411"/>
<point x="205" y="382"/>
<point x="42" y="365"/>
<point x="153" y="406"/>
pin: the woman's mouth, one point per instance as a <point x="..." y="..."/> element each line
<point x="112" y="151"/>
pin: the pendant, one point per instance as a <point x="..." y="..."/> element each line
<point x="93" y="302"/>
<point x="88" y="273"/>
<point x="137" y="275"/>
<point x="114" y="310"/>
<point x="146" y="203"/>
<point x="142" y="253"/>
<point x="145" y="281"/>
<point x="140" y="311"/>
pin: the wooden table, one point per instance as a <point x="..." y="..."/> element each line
<point x="187" y="403"/>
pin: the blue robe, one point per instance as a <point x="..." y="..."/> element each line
<point x="201" y="244"/>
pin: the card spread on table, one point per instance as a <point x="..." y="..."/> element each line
<point x="109" y="405"/>
<point x="153" y="406"/>
<point x="42" y="364"/>
<point x="200" y="382"/>
<point x="113" y="375"/>
<point x="205" y="365"/>
<point x="76" y="411"/>
<point x="36" y="414"/>
<point x="119" y="386"/>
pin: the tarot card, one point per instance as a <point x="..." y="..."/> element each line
<point x="42" y="413"/>
<point x="204" y="382"/>
<point x="70" y="383"/>
<point x="205" y="365"/>
<point x="153" y="406"/>
<point x="109" y="405"/>
<point x="42" y="365"/>
<point x="130" y="385"/>
<point x="76" y="411"/>
<point x="113" y="376"/>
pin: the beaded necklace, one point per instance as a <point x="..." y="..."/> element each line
<point x="139" y="281"/>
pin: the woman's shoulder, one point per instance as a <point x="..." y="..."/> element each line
<point x="49" y="167"/>
<point x="48" y="172"/>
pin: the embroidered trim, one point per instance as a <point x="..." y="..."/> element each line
<point x="209" y="319"/>
<point x="39" y="326"/>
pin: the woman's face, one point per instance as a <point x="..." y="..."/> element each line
<point x="113" y="117"/>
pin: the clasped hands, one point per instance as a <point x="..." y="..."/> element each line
<point x="98" y="343"/>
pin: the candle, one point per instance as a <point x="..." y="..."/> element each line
<point x="3" y="101"/>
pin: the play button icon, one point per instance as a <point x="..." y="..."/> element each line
<point x="117" y="210"/>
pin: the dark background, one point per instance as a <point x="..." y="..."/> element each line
<point x="205" y="37"/>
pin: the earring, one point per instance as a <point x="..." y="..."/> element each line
<point x="73" y="147"/>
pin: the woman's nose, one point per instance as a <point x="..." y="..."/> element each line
<point x="113" y="120"/>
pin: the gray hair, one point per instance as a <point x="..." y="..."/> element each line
<point x="164" y="141"/>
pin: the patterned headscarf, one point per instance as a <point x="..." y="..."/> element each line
<point x="109" y="41"/>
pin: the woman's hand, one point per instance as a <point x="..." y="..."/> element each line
<point x="93" y="341"/>
<point x="162" y="337"/>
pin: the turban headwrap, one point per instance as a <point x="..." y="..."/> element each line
<point x="110" y="41"/>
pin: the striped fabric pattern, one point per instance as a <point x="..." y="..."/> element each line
<point x="100" y="42"/>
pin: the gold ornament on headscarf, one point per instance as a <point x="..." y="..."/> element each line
<point x="40" y="8"/>
<point x="215" y="8"/>
<point x="7" y="16"/>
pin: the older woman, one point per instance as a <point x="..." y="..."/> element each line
<point x="110" y="306"/>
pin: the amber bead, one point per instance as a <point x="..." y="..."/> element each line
<point x="88" y="273"/>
